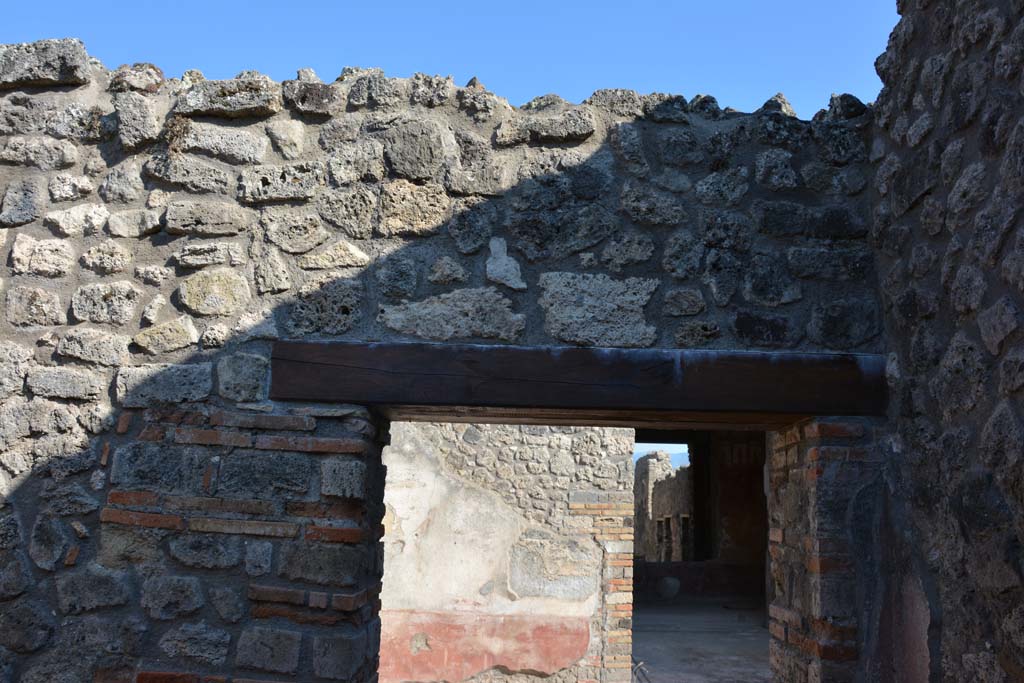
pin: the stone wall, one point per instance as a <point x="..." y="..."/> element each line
<point x="160" y="233"/>
<point x="823" y="500"/>
<point x="489" y="569"/>
<point x="660" y="493"/>
<point x="950" y="158"/>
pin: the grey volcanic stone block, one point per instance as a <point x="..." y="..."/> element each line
<point x="331" y="306"/>
<point x="597" y="310"/>
<point x="312" y="97"/>
<point x="207" y="551"/>
<point x="170" y="597"/>
<point x="65" y="382"/>
<point x="136" y="119"/>
<point x="157" y="467"/>
<point x="269" y="649"/>
<point x="228" y="603"/>
<point x="214" y="292"/>
<point x="90" y="588"/>
<point x="233" y="145"/>
<point x="294" y="232"/>
<point x="243" y="377"/>
<point x="481" y="312"/>
<point x="146" y="385"/>
<point x="265" y="475"/>
<point x="415" y="150"/>
<point x="343" y="477"/>
<point x="25" y="625"/>
<point x="235" y="98"/>
<point x="112" y="303"/>
<point x="339" y="657"/>
<point x="48" y="542"/>
<point x="321" y="563"/>
<point x="46" y="62"/>
<point x="15" y="576"/>
<point x="22" y="203"/>
<point x="206" y="219"/>
<point x="259" y="556"/>
<point x="189" y="173"/>
<point x="130" y="223"/>
<point x="34" y="306"/>
<point x="43" y="153"/>
<point x="198" y="642"/>
<point x="263" y="184"/>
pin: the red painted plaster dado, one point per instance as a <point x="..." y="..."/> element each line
<point x="453" y="646"/>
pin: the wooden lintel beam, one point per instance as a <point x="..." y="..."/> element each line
<point x="420" y="381"/>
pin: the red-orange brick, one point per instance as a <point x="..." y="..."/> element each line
<point x="309" y="444"/>
<point x="212" y="437"/>
<point x="326" y="534"/>
<point x="132" y="498"/>
<point x="244" y="526"/>
<point x="223" y="418"/>
<point x="143" y="519"/>
<point x="291" y="596"/>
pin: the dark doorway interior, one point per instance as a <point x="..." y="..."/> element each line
<point x="700" y="558"/>
<point x="705" y="524"/>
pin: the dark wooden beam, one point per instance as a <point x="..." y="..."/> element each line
<point x="548" y="385"/>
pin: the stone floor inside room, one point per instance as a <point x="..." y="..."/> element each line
<point x="701" y="640"/>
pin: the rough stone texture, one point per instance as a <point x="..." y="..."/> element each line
<point x="269" y="649"/>
<point x="235" y="146"/>
<point x="646" y="220"/>
<point x="159" y="383"/>
<point x="34" y="306"/>
<point x="294" y="233"/>
<point x="22" y="203"/>
<point x="132" y="223"/>
<point x="205" y="219"/>
<point x="947" y="191"/>
<point x="189" y="173"/>
<point x="107" y="258"/>
<point x="84" y="219"/>
<point x="214" y="292"/>
<point x="243" y="377"/>
<point x="251" y="96"/>
<point x="265" y="184"/>
<point x="502" y="268"/>
<point x="208" y="551"/>
<point x="136" y="119"/>
<point x="94" y="346"/>
<point x="597" y="310"/>
<point x="344" y="478"/>
<point x="407" y="209"/>
<point x="47" y="258"/>
<point x="463" y="313"/>
<point x="46" y="62"/>
<point x="62" y="382"/>
<point x="111" y="303"/>
<point x="169" y="597"/>
<point x="197" y="642"/>
<point x="90" y="588"/>
<point x="170" y="336"/>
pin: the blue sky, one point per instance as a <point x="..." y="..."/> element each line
<point x="740" y="51"/>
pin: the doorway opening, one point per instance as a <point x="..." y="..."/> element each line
<point x="508" y="552"/>
<point x="700" y="557"/>
<point x="820" y="413"/>
<point x="526" y="552"/>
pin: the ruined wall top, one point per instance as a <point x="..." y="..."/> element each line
<point x="210" y="212"/>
